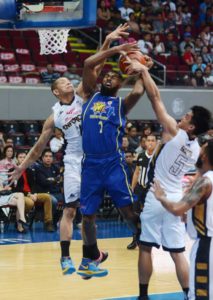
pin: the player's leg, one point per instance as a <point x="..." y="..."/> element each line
<point x="17" y="199"/>
<point x="46" y="200"/>
<point x="173" y="241"/>
<point x="71" y="196"/>
<point x="92" y="191"/>
<point x="145" y="270"/>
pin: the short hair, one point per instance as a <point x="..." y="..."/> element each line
<point x="209" y="151"/>
<point x="119" y="74"/>
<point x="20" y="152"/>
<point x="201" y="119"/>
<point x="54" y="84"/>
<point x="45" y="151"/>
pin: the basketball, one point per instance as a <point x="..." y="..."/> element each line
<point x="132" y="55"/>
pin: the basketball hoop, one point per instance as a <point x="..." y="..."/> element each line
<point x="53" y="41"/>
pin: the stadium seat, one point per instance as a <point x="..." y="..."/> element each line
<point x="55" y="59"/>
<point x="30" y="127"/>
<point x="183" y="70"/>
<point x="173" y="60"/>
<point x="11" y="68"/>
<point x="32" y="138"/>
<point x="32" y="79"/>
<point x="15" y="79"/>
<point x="19" y="42"/>
<point x="18" y="138"/>
<point x="69" y="58"/>
<point x="6" y="42"/>
<point x="8" y="56"/>
<point x="10" y="127"/>
<point x="23" y="56"/>
<point x="61" y="68"/>
<point x="171" y="74"/>
<point x="3" y="79"/>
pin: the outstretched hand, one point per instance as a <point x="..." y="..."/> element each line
<point x="15" y="174"/>
<point x="119" y="32"/>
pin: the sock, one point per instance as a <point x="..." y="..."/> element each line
<point x="185" y="290"/>
<point x="91" y="251"/>
<point x="143" y="288"/>
<point x="65" y="248"/>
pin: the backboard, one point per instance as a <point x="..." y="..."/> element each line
<point x="23" y="14"/>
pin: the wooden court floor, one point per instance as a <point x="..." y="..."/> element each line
<point x="32" y="271"/>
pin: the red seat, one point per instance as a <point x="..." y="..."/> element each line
<point x="15" y="33"/>
<point x="161" y="59"/>
<point x="7" y="57"/>
<point x="32" y="79"/>
<point x="69" y="58"/>
<point x="19" y="42"/>
<point x="39" y="59"/>
<point x="183" y="70"/>
<point x="11" y="68"/>
<point x="61" y="68"/>
<point x="171" y="74"/>
<point x="16" y="79"/>
<point x="34" y="44"/>
<point x="28" y="68"/>
<point x="55" y="58"/>
<point x="30" y="34"/>
<point x="23" y="56"/>
<point x="3" y="79"/>
<point x="173" y="60"/>
<point x="5" y="42"/>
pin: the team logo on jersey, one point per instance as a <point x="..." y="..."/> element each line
<point x="102" y="110"/>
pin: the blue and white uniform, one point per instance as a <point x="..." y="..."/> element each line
<point x="104" y="167"/>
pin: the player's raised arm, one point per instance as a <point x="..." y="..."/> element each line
<point x="36" y="151"/>
<point x="169" y="123"/>
<point x="89" y="71"/>
<point x="119" y="32"/>
<point x="200" y="191"/>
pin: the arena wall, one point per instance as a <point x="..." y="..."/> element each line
<point x="34" y="103"/>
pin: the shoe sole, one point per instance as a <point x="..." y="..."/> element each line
<point x="106" y="254"/>
<point x="89" y="274"/>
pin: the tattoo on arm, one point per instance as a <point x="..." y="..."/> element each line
<point x="200" y="191"/>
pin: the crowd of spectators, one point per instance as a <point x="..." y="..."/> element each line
<point x="177" y="33"/>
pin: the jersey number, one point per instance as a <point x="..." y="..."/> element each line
<point x="178" y="165"/>
<point x="101" y="126"/>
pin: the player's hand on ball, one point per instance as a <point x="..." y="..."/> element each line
<point x="149" y="61"/>
<point x="127" y="47"/>
<point x="119" y="32"/>
<point x="135" y="67"/>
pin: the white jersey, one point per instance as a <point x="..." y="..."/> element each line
<point x="68" y="119"/>
<point x="200" y="217"/>
<point x="175" y="159"/>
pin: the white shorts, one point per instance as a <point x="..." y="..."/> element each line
<point x="4" y="200"/>
<point x="159" y="227"/>
<point x="72" y="177"/>
<point x="201" y="270"/>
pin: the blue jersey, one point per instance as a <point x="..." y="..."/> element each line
<point x="103" y="124"/>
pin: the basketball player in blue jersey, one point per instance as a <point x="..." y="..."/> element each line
<point x="199" y="202"/>
<point x="172" y="160"/>
<point x="104" y="167"/>
<point x="67" y="116"/>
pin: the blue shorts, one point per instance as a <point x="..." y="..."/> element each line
<point x="101" y="175"/>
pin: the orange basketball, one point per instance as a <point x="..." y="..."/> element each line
<point x="132" y="55"/>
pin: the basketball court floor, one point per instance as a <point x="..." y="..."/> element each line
<point x="30" y="268"/>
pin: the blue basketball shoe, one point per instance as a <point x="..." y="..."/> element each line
<point x="89" y="268"/>
<point x="67" y="266"/>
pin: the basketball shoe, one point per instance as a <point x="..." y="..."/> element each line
<point x="89" y="268"/>
<point x="67" y="266"/>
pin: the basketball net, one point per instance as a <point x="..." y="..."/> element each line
<point x="53" y="41"/>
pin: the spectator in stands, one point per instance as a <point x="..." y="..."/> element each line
<point x="202" y="11"/>
<point x="188" y="55"/>
<point x="26" y="185"/>
<point x="205" y="36"/>
<point x="187" y="40"/>
<point x="208" y="77"/>
<point x="9" y="142"/>
<point x="134" y="27"/>
<point x="158" y="47"/>
<point x="129" y="156"/>
<point x="8" y="161"/>
<point x="125" y="144"/>
<point x="198" y="45"/>
<point x="170" y="42"/>
<point x="103" y="12"/>
<point x="49" y="178"/>
<point x="198" y="64"/>
<point x="14" y="199"/>
<point x="133" y="138"/>
<point x="137" y="10"/>
<point x="209" y="16"/>
<point x="171" y="5"/>
<point x="2" y="144"/>
<point x="146" y="45"/>
<point x="179" y="15"/>
<point x="170" y="24"/>
<point x="186" y="16"/>
<point x="158" y="23"/>
<point x="57" y="142"/>
<point x="142" y="145"/>
<point x="155" y="7"/>
<point x="197" y="79"/>
<point x="145" y="26"/>
<point x="112" y="8"/>
<point x="147" y="130"/>
<point x="126" y="10"/>
<point x="72" y="75"/>
<point x="206" y="55"/>
<point x="117" y="20"/>
<point x="49" y="76"/>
